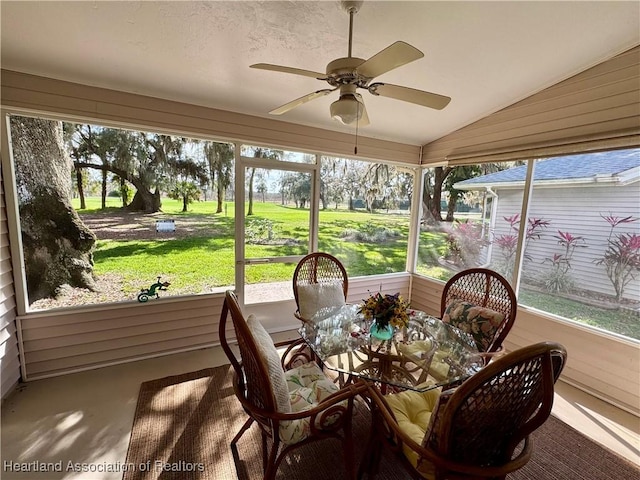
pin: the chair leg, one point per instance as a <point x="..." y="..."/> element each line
<point x="370" y="462"/>
<point x="348" y="446"/>
<point x="272" y="465"/>
<point x="264" y="450"/>
<point x="244" y="428"/>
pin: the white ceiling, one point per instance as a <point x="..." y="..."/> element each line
<point x="484" y="55"/>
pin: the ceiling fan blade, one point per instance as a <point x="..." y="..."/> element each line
<point x="299" y="101"/>
<point x="411" y="95"/>
<point x="295" y="71"/>
<point x="394" y="56"/>
<point x="364" y="120"/>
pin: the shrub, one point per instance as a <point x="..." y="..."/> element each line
<point x="621" y="259"/>
<point x="464" y="243"/>
<point x="558" y="278"/>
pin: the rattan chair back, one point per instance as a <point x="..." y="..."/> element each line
<point x="480" y="430"/>
<point x="485" y="288"/>
<point x="331" y="418"/>
<point x="490" y="414"/>
<point x="318" y="267"/>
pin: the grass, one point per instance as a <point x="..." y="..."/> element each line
<point x="199" y="263"/>
<point x="367" y="244"/>
<point x="623" y="322"/>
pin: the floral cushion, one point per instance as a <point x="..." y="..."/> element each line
<point x="315" y="296"/>
<point x="308" y="386"/>
<point x="482" y="323"/>
<point x="413" y="412"/>
<point x="271" y="358"/>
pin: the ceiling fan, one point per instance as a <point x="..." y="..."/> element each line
<point x="350" y="73"/>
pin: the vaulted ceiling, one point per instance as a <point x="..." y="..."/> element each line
<point x="484" y="55"/>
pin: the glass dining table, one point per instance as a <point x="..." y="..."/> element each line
<point x="426" y="354"/>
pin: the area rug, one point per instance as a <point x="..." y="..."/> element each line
<point x="184" y="424"/>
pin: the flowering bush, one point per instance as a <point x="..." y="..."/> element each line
<point x="464" y="243"/>
<point x="386" y="309"/>
<point x="622" y="256"/>
<point x="558" y="278"/>
<point x="508" y="243"/>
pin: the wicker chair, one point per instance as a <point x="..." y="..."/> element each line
<point x="262" y="377"/>
<point x="479" y="430"/>
<point x="492" y="293"/>
<point x="322" y="270"/>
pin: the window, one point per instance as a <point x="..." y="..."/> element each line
<point x="462" y="225"/>
<point x="581" y="244"/>
<point x="141" y="213"/>
<point x="145" y="208"/>
<point x="365" y="214"/>
<point x="584" y="265"/>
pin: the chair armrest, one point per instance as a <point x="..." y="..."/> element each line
<point x="300" y="317"/>
<point x="296" y="353"/>
<point x="348" y="392"/>
<point x="490" y="356"/>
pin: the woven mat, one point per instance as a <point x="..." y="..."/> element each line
<point x="184" y="424"/>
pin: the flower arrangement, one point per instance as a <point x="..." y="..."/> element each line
<point x="386" y="310"/>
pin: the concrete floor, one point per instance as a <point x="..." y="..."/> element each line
<point x="86" y="417"/>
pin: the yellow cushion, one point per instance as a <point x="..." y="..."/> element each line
<point x="415" y="348"/>
<point x="413" y="412"/>
<point x="439" y="369"/>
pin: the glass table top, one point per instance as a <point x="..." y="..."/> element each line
<point x="427" y="354"/>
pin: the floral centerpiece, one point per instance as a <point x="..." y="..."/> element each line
<point x="386" y="311"/>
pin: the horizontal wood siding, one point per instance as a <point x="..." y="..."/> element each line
<point x="9" y="357"/>
<point x="597" y="362"/>
<point x="601" y="364"/>
<point x="58" y="342"/>
<point x="362" y="287"/>
<point x="576" y="210"/>
<point x="73" y="100"/>
<point x="76" y="339"/>
<point x="601" y="103"/>
<point x="426" y="294"/>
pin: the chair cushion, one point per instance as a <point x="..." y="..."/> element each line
<point x="308" y="386"/>
<point x="430" y="439"/>
<point x="482" y="323"/>
<point x="315" y="296"/>
<point x="271" y="358"/>
<point x="413" y="412"/>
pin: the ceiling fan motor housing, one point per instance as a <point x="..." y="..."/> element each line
<point x="344" y="71"/>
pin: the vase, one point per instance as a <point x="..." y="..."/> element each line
<point x="381" y="333"/>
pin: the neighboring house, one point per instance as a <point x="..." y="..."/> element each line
<point x="572" y="193"/>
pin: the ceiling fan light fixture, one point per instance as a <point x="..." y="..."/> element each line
<point x="346" y="110"/>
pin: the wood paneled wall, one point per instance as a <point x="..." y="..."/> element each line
<point x="598" y="108"/>
<point x="9" y="358"/>
<point x="40" y="94"/>
<point x="64" y="341"/>
<point x="602" y="364"/>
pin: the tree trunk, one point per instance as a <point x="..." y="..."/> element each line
<point x="220" y="195"/>
<point x="104" y="189"/>
<point x="432" y="200"/>
<point x="251" y="175"/>
<point x="57" y="246"/>
<point x="451" y="207"/>
<point x="124" y="192"/>
<point x="145" y="201"/>
<point x="83" y="203"/>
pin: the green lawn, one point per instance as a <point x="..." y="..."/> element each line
<point x="367" y="244"/>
